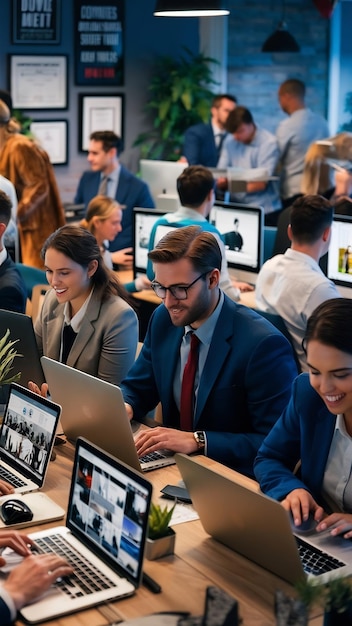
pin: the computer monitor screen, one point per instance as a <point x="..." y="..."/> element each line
<point x="339" y="266"/>
<point x="161" y="176"/>
<point x="241" y="227"/>
<point x="143" y="222"/>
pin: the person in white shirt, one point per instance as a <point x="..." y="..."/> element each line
<point x="292" y="285"/>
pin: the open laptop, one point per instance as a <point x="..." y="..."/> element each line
<point x="95" y="409"/>
<point x="27" y="437"/>
<point x="22" y="331"/>
<point x="259" y="528"/>
<point x="104" y="536"/>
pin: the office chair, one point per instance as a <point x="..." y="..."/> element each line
<point x="31" y="276"/>
<point x="278" y="322"/>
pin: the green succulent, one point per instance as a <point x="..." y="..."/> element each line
<point x="7" y="356"/>
<point x="159" y="519"/>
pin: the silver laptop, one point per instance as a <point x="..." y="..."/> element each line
<point x="104" y="536"/>
<point x="259" y="528"/>
<point x="27" y="437"/>
<point x="95" y="409"/>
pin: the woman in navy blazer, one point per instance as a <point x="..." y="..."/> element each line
<point x="316" y="428"/>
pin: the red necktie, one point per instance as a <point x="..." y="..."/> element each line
<point x="187" y="387"/>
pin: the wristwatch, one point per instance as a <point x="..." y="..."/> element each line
<point x="199" y="437"/>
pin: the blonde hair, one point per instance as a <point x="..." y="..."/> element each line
<point x="101" y="207"/>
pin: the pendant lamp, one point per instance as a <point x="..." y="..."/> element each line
<point x="190" y="8"/>
<point x="281" y="40"/>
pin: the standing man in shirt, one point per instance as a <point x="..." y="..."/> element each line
<point x="203" y="142"/>
<point x="295" y="134"/>
<point x="248" y="146"/>
<point x="242" y="366"/>
<point x="108" y="177"/>
<point x="292" y="285"/>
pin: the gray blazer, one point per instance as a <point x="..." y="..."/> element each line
<point x="106" y="343"/>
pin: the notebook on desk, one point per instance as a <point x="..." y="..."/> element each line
<point x="104" y="536"/>
<point x="258" y="527"/>
<point x="95" y="409"/>
<point x="27" y="437"/>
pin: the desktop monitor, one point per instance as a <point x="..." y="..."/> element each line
<point x="143" y="222"/>
<point x="161" y="176"/>
<point x="339" y="264"/>
<point x="241" y="227"/>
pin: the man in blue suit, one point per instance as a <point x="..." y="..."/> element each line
<point x="110" y="178"/>
<point x="202" y="143"/>
<point x="13" y="292"/>
<point x="245" y="366"/>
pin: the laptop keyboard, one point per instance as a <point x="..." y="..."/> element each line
<point x="85" y="580"/>
<point x="152" y="456"/>
<point x="316" y="561"/>
<point x="11" y="478"/>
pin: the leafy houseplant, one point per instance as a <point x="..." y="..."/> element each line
<point x="179" y="96"/>
<point x="7" y="356"/>
<point x="161" y="538"/>
<point x="335" y="597"/>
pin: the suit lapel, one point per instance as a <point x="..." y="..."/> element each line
<point x="321" y="442"/>
<point x="218" y="351"/>
<point x="85" y="332"/>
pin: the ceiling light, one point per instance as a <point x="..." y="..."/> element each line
<point x="281" y="40"/>
<point x="190" y="8"/>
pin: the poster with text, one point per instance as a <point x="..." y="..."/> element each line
<point x="36" y="21"/>
<point x="99" y="42"/>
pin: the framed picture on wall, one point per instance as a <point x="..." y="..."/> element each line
<point x="38" y="81"/>
<point x="52" y="136"/>
<point x="99" y="47"/>
<point x="36" y="22"/>
<point x="99" y="113"/>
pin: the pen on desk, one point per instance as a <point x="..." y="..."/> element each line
<point x="150" y="583"/>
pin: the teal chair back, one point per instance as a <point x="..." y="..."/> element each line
<point x="270" y="233"/>
<point x="31" y="276"/>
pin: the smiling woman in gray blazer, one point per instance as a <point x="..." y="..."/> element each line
<point x="85" y="321"/>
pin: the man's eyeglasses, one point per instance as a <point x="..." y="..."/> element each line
<point x="178" y="292"/>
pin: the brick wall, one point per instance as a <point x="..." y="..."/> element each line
<point x="254" y="76"/>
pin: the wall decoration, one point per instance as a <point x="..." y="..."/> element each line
<point x="36" y="21"/>
<point x="99" y="113"/>
<point x="38" y="81"/>
<point x="52" y="136"/>
<point x="98" y="39"/>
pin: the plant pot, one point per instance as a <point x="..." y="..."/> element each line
<point x="156" y="548"/>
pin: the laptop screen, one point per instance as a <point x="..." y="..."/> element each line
<point x="28" y="431"/>
<point x="108" y="509"/>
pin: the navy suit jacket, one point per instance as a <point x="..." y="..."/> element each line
<point x="303" y="432"/>
<point x="131" y="192"/>
<point x="13" y="292"/>
<point x="199" y="146"/>
<point x="5" y="616"/>
<point x="244" y="386"/>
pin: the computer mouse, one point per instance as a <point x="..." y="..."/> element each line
<point x="15" y="511"/>
<point x="307" y="526"/>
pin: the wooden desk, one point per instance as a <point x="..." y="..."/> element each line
<point x="198" y="562"/>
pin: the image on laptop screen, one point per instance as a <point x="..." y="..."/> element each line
<point x="28" y="431"/>
<point x="110" y="505"/>
<point x="340" y="251"/>
<point x="241" y="227"/>
<point x="143" y="222"/>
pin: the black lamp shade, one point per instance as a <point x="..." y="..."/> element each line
<point x="190" y="8"/>
<point x="281" y="41"/>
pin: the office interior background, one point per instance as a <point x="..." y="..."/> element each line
<point x="324" y="63"/>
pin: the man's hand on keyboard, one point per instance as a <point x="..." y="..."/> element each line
<point x="161" y="438"/>
<point x="300" y="503"/>
<point x="34" y="576"/>
<point x="5" y="488"/>
<point x="338" y="524"/>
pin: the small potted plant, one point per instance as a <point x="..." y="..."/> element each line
<point x="161" y="538"/>
<point x="338" y="602"/>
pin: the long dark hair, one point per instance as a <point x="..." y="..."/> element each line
<point x="330" y="324"/>
<point x="79" y="245"/>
